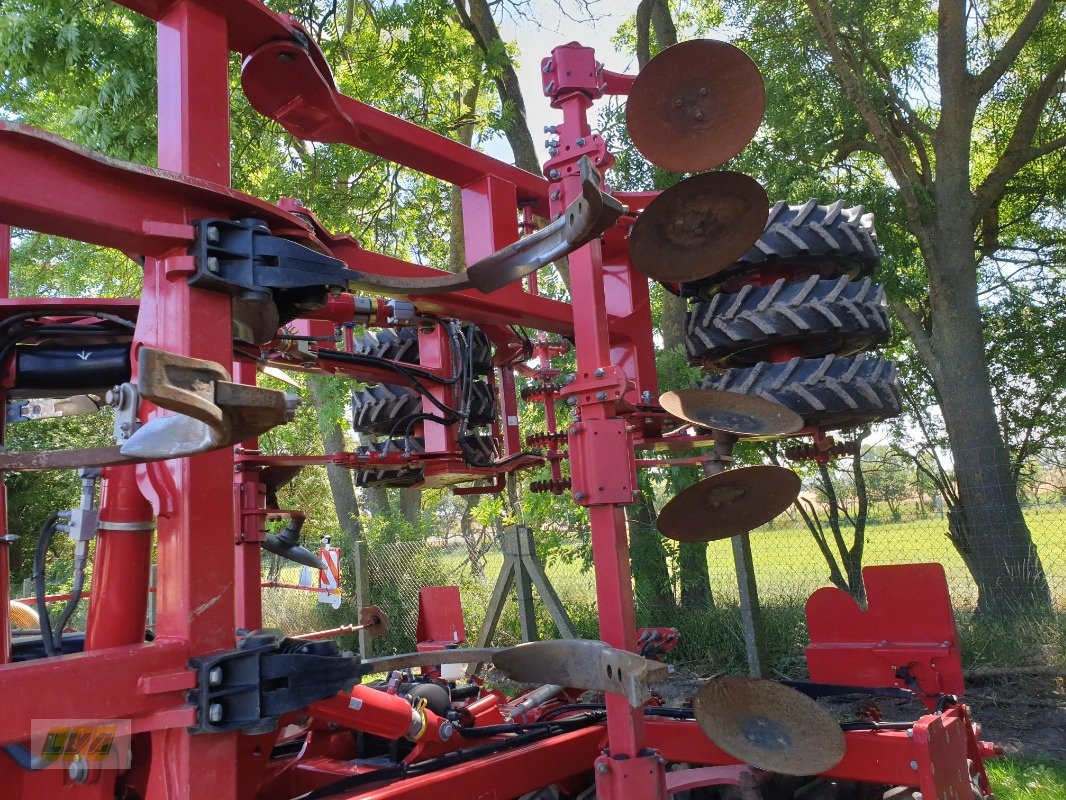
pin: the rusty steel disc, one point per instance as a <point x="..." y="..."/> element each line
<point x="695" y="105"/>
<point x="699" y="226"/>
<point x="729" y="503"/>
<point x="374" y="621"/>
<point x="733" y="412"/>
<point x="769" y="726"/>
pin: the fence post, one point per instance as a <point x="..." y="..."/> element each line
<point x="359" y="563"/>
<point x="750" y="617"/>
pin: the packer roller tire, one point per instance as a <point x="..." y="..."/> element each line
<point x="482" y="405"/>
<point x="830" y="393"/>
<point x="825" y="317"/>
<point x="478" y="449"/>
<point x="401" y="344"/>
<point x="376" y="409"/>
<point x="810" y="239"/>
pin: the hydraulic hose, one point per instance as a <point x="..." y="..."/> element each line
<point x="43" y="540"/>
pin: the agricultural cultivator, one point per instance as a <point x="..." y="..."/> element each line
<point x="209" y="705"/>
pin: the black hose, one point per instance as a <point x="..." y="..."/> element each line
<point x="69" y="608"/>
<point x="43" y="540"/>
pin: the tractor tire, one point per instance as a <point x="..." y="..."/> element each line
<point x="378" y="408"/>
<point x="390" y="478"/>
<point x="825" y="317"/>
<point x="482" y="405"/>
<point x="482" y="351"/>
<point x="830" y="393"/>
<point x="828" y="241"/>
<point x="400" y="344"/>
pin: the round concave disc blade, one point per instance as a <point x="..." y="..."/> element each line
<point x="733" y="412"/>
<point x="695" y="105"/>
<point x="769" y="726"/>
<point x="699" y="226"/>
<point x="729" y="503"/>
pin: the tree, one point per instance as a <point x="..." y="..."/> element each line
<point x="957" y="114"/>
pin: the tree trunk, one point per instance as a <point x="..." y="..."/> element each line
<point x="411" y="506"/>
<point x="340" y="479"/>
<point x="653" y="587"/>
<point x="1006" y="567"/>
<point x="695" y="577"/>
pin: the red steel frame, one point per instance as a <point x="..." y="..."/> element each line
<point x="210" y="508"/>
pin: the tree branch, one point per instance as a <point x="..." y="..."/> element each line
<point x="892" y="149"/>
<point x="1008" y="54"/>
<point x="1020" y="149"/>
<point x="916" y="329"/>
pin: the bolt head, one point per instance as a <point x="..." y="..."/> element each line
<point x="214" y="676"/>
<point x="214" y="712"/>
<point x="554" y="174"/>
<point x="601" y="768"/>
<point x="571" y="401"/>
<point x="599" y="372"/>
<point x="212" y="234"/>
<point x="445" y="731"/>
<point x="914" y="765"/>
<point x="579" y="495"/>
<point x="78" y="770"/>
<point x="601" y="395"/>
<point x="581" y="141"/>
<point x="212" y="264"/>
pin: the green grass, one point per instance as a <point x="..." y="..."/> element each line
<point x="1013" y="779"/>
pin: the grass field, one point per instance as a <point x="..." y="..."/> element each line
<point x="1012" y="779"/>
<point x="788" y="568"/>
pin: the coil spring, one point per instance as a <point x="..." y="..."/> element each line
<point x="809" y="452"/>
<point x="537" y="390"/>
<point x="554" y="486"/>
<point x="546" y="439"/>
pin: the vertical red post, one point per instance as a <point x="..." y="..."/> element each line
<point x="192" y="496"/>
<point x="249" y="495"/>
<point x="5" y="261"/>
<point x="122" y="563"/>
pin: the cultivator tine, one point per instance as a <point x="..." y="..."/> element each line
<point x="699" y="226"/>
<point x="583" y="220"/>
<point x="695" y="105"/>
<point x="576" y="663"/>
<point x="727" y="504"/>
<point x="769" y="726"/>
<point x="583" y="664"/>
<point x="732" y="412"/>
<point x="210" y="413"/>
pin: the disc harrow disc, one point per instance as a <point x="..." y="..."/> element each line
<point x="744" y="415"/>
<point x="695" y="105"/>
<point x="729" y="503"/>
<point x="769" y="726"/>
<point x="698" y="227"/>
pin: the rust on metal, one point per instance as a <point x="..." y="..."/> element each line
<point x="744" y="415"/>
<point x="728" y="504"/>
<point x="698" y="227"/>
<point x="695" y="105"/>
<point x="769" y="726"/>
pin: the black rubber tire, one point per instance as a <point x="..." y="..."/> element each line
<point x="390" y="478"/>
<point x="482" y="405"/>
<point x="810" y="239"/>
<point x="378" y="408"/>
<point x="831" y="393"/>
<point x="399" y="344"/>
<point x="482" y="351"/>
<point x="479" y="450"/>
<point x="826" y="317"/>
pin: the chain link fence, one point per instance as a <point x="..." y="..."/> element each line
<point x="789" y="565"/>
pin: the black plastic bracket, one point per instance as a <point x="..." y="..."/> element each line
<point x="250" y="687"/>
<point x="272" y="280"/>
